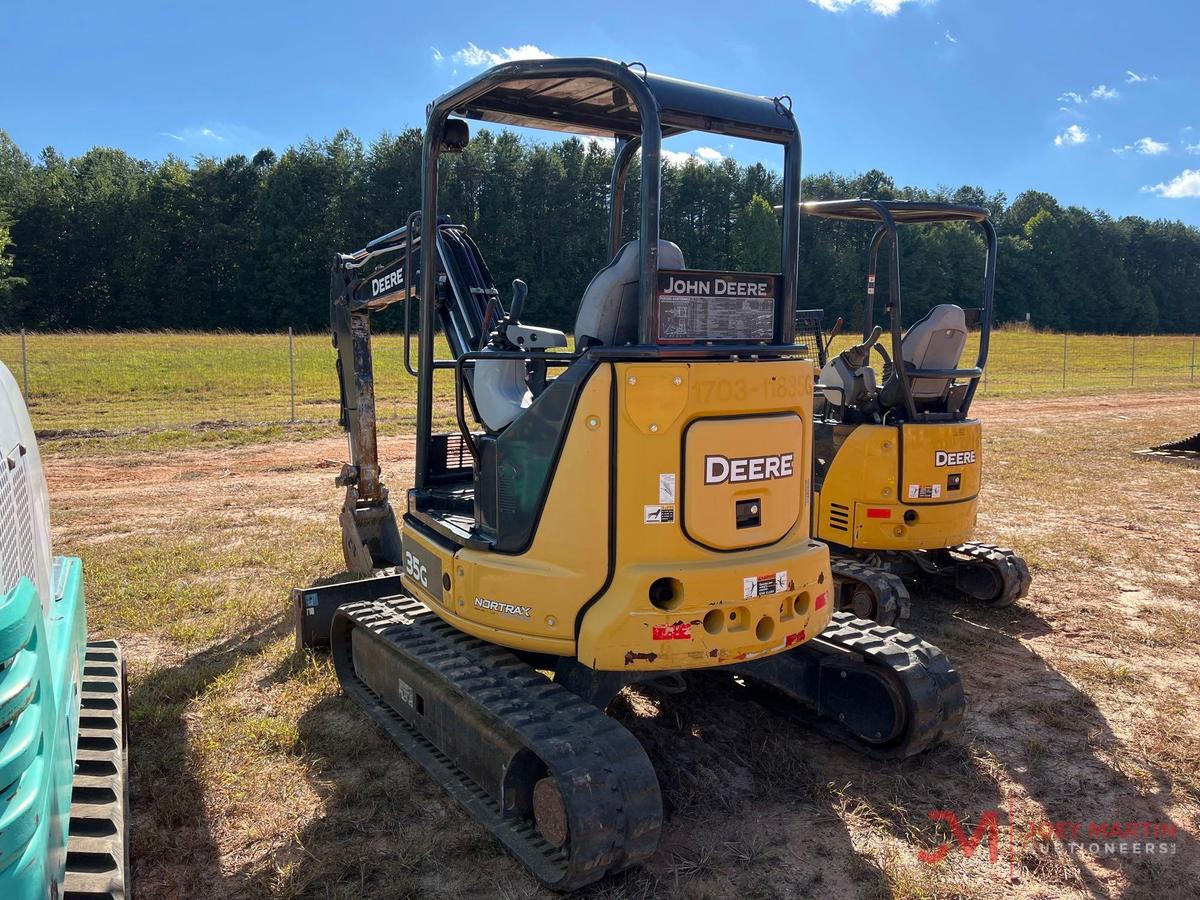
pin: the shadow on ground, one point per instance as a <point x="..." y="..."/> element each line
<point x="755" y="806"/>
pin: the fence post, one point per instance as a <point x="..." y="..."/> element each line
<point x="1064" y="378"/>
<point x="25" y="366"/>
<point x="292" y="371"/>
<point x="1193" y="359"/>
<point x="1132" y="359"/>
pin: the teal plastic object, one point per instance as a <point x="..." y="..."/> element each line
<point x="41" y="667"/>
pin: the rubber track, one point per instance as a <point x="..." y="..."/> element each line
<point x="1012" y="569"/>
<point x="610" y="788"/>
<point x="891" y="596"/>
<point x="931" y="686"/>
<point x="98" y="834"/>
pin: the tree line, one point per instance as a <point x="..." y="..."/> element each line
<point x="107" y="241"/>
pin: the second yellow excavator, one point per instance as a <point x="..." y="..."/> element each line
<point x="898" y="460"/>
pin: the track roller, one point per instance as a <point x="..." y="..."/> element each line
<point x="565" y="789"/>
<point x="869" y="592"/>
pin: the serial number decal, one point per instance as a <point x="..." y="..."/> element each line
<point x="720" y="469"/>
<point x="953" y="458"/>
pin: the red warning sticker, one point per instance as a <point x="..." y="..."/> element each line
<point x="797" y="638"/>
<point x="680" y="631"/>
<point x="820" y="601"/>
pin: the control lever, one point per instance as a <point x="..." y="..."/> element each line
<point x="857" y="356"/>
<point x="834" y="332"/>
<point x="520" y="292"/>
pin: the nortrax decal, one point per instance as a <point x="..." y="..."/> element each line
<point x="505" y="609"/>
<point x="720" y="469"/>
<point x="953" y="458"/>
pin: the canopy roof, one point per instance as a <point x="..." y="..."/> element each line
<point x="901" y="211"/>
<point x="591" y="96"/>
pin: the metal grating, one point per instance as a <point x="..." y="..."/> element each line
<point x="809" y="334"/>
<point x="839" y="517"/>
<point x="10" y="529"/>
<point x="24" y="514"/>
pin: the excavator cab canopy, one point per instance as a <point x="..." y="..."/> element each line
<point x="926" y="381"/>
<point x="643" y="303"/>
<point x="602" y="98"/>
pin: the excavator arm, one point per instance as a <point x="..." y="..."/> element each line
<point x="369" y="281"/>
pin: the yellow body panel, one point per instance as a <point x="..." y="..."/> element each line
<point x="622" y="629"/>
<point x="908" y="487"/>
<point x="764" y="589"/>
<point x="567" y="561"/>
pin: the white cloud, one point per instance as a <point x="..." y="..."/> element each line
<point x="604" y="143"/>
<point x="474" y="56"/>
<point x="1193" y="148"/>
<point x="1069" y="97"/>
<point x="1132" y="77"/>
<point x="1185" y="184"/>
<point x="951" y="38"/>
<point x="1103" y="92"/>
<point x="437" y="54"/>
<point x="683" y="157"/>
<point x="192" y="135"/>
<point x="1073" y="135"/>
<point x="881" y="7"/>
<point x="1146" y="146"/>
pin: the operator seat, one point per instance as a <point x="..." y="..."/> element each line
<point x="935" y="341"/>
<point x="608" y="312"/>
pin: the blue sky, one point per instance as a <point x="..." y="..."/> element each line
<point x="1095" y="102"/>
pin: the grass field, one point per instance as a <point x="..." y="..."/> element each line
<point x="220" y="389"/>
<point x="253" y="777"/>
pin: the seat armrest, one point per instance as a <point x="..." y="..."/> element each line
<point x="533" y="338"/>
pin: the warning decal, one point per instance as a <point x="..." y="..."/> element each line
<point x="666" y="487"/>
<point x="659" y="514"/>
<point x="680" y="631"/>
<point x="764" y="585"/>
<point x="924" y="491"/>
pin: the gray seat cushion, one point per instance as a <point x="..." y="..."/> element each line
<point x="608" y="313"/>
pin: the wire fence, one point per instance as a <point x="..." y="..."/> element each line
<point x="81" y="384"/>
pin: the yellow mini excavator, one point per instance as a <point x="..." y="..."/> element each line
<point x="897" y="461"/>
<point x="628" y="511"/>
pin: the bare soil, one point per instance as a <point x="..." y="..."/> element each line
<point x="253" y="777"/>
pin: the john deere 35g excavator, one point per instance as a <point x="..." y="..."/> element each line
<point x="897" y="461"/>
<point x="626" y="511"/>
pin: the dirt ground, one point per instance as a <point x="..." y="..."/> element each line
<point x="253" y="777"/>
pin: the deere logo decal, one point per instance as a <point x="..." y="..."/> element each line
<point x="387" y="282"/>
<point x="721" y="469"/>
<point x="959" y="458"/>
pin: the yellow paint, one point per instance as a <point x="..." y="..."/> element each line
<point x="577" y="607"/>
<point x="876" y="467"/>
